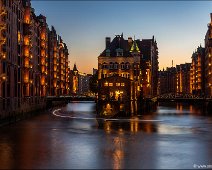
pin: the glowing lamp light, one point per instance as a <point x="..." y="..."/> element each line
<point x="3" y="77"/>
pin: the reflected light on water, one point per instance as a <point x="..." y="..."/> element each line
<point x="118" y="153"/>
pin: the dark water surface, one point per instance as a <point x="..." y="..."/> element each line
<point x="175" y="136"/>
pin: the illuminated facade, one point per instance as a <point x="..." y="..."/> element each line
<point x="208" y="59"/>
<point x="43" y="62"/>
<point x="84" y="83"/>
<point x="11" y="46"/>
<point x="27" y="50"/>
<point x="53" y="63"/>
<point x="149" y="67"/>
<point x="183" y="78"/>
<point x="74" y="79"/>
<point x="58" y="69"/>
<point x="120" y="59"/>
<point x="197" y="74"/>
<point x="33" y="60"/>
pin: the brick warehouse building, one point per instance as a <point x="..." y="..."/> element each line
<point x="33" y="61"/>
<point x="132" y="61"/>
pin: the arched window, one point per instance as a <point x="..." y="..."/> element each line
<point x="104" y="66"/>
<point x="127" y="65"/>
<point x="111" y="65"/>
<point x="116" y="65"/>
<point x="122" y="66"/>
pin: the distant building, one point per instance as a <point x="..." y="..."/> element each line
<point x="183" y="78"/>
<point x="198" y="72"/>
<point x="208" y="59"/>
<point x="149" y="66"/>
<point x="167" y="81"/>
<point x="95" y="71"/>
<point x="74" y="80"/>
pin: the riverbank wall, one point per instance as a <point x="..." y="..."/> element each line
<point x="14" y="110"/>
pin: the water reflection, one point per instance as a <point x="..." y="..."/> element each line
<point x="47" y="141"/>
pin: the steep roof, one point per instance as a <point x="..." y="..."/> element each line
<point x="118" y="43"/>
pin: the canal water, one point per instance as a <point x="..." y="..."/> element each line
<point x="176" y="135"/>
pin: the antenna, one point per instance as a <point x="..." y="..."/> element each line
<point x="172" y="63"/>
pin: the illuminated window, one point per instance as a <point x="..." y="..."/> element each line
<point x="122" y="84"/>
<point x="110" y="84"/>
<point x="19" y="37"/>
<point x="117" y="84"/>
<point x="106" y="84"/>
<point x="128" y="75"/>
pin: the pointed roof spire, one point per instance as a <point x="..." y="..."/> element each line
<point x="134" y="47"/>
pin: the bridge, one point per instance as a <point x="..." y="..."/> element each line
<point x="182" y="97"/>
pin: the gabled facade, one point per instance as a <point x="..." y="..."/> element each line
<point x="121" y="58"/>
<point x="135" y="60"/>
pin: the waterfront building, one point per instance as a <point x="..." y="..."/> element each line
<point x="83" y="83"/>
<point x="79" y="82"/>
<point x="149" y="66"/>
<point x="33" y="62"/>
<point x="74" y="80"/>
<point x="53" y="63"/>
<point x="119" y="69"/>
<point x="11" y="56"/>
<point x="167" y="80"/>
<point x="208" y="59"/>
<point x="198" y="72"/>
<point x="183" y="78"/>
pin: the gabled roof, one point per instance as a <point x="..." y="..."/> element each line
<point x="118" y="42"/>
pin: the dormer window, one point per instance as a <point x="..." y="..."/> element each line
<point x="119" y="52"/>
<point x="107" y="53"/>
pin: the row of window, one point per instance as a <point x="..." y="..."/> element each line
<point x="116" y="65"/>
<point x="125" y="75"/>
<point x="114" y="84"/>
<point x="119" y="52"/>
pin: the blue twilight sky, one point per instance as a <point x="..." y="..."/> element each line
<point x="179" y="27"/>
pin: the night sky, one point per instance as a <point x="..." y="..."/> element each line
<point x="179" y="27"/>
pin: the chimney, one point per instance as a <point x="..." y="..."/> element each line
<point x="130" y="41"/>
<point x="107" y="42"/>
<point x="211" y="17"/>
